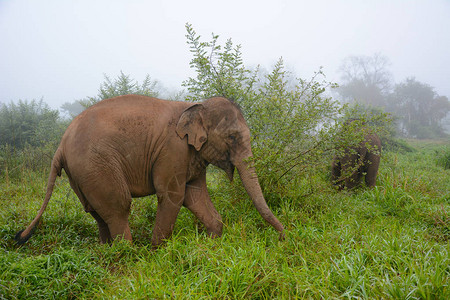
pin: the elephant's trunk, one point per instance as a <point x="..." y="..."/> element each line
<point x="250" y="180"/>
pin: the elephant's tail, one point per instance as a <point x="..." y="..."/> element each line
<point x="57" y="164"/>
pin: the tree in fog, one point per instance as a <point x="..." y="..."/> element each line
<point x="420" y="109"/>
<point x="122" y="85"/>
<point x="72" y="109"/>
<point x="365" y="79"/>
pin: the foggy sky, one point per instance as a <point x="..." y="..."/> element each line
<point x="59" y="50"/>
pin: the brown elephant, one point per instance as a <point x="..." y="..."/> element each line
<point x="133" y="146"/>
<point x="348" y="169"/>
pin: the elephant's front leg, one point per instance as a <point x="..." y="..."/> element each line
<point x="170" y="192"/>
<point x="197" y="200"/>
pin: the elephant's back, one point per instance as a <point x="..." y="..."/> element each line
<point x="132" y="105"/>
<point x="125" y="114"/>
<point x="373" y="139"/>
<point x="120" y="127"/>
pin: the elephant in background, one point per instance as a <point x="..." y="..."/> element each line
<point x="348" y="168"/>
<point x="133" y="146"/>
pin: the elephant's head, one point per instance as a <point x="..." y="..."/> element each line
<point x="218" y="131"/>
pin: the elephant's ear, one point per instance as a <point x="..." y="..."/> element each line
<point x="191" y="124"/>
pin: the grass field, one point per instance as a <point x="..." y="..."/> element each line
<point x="390" y="242"/>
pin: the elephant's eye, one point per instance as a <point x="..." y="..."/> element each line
<point x="232" y="137"/>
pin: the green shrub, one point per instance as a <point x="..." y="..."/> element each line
<point x="29" y="135"/>
<point x="293" y="122"/>
<point x="29" y="123"/>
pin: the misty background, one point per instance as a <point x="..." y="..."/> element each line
<point x="389" y="54"/>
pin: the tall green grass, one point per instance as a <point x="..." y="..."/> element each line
<point x="443" y="157"/>
<point x="389" y="242"/>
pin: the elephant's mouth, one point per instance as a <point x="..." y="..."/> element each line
<point x="227" y="166"/>
<point x="219" y="158"/>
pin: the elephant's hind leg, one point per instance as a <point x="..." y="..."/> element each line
<point x="372" y="164"/>
<point x="120" y="228"/>
<point x="115" y="215"/>
<point x="105" y="235"/>
<point x="111" y="203"/>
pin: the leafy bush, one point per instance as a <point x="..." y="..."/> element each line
<point x="294" y="124"/>
<point x="29" y="123"/>
<point x="374" y="117"/>
<point x="384" y="124"/>
<point x="29" y="134"/>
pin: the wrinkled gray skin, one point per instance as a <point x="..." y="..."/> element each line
<point x="133" y="146"/>
<point x="357" y="162"/>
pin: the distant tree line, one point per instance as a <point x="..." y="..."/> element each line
<point x="419" y="110"/>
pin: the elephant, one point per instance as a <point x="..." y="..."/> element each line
<point x="348" y="169"/>
<point x="133" y="146"/>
